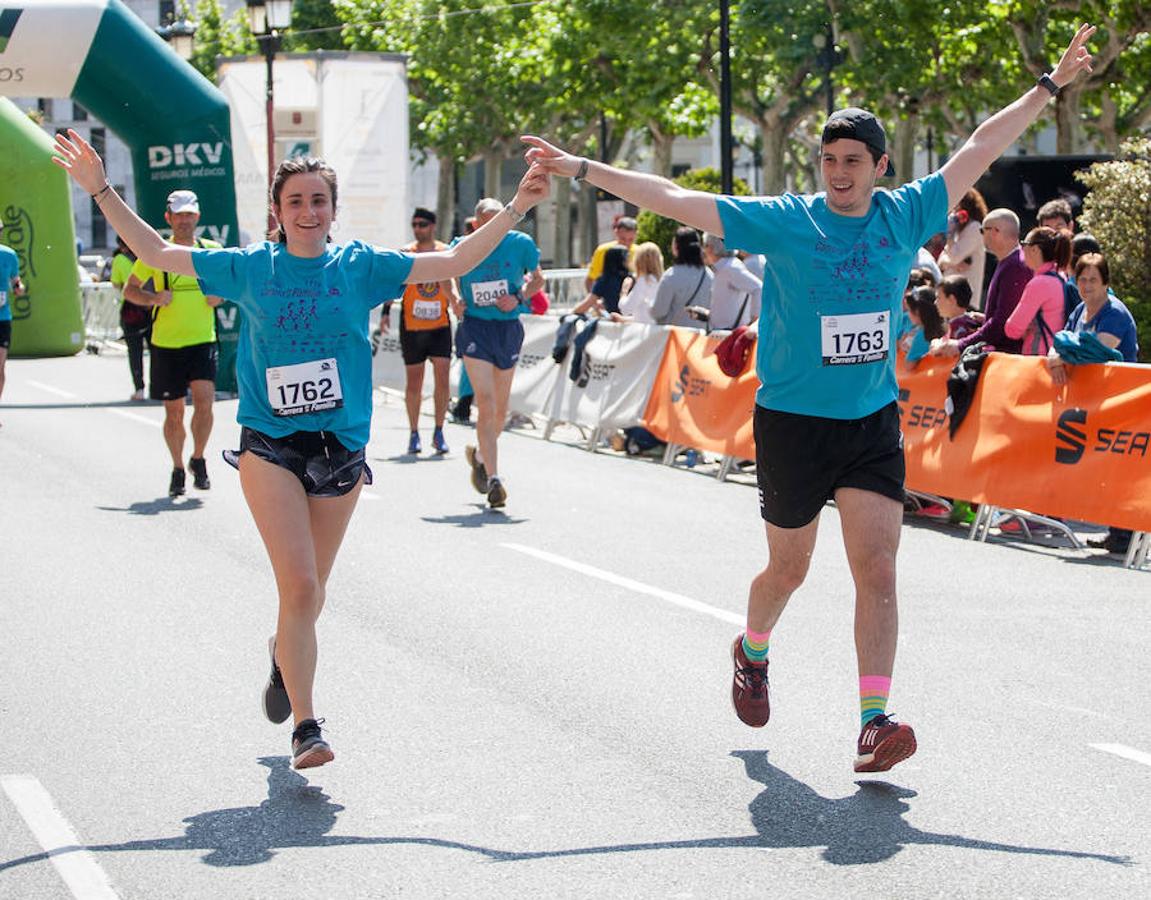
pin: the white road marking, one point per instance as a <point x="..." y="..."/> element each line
<point x="1126" y="752"/>
<point x="75" y="864"/>
<point x="52" y="390"/>
<point x="135" y="417"/>
<point x="638" y="586"/>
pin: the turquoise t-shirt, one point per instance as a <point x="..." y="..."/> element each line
<point x="304" y="361"/>
<point x="501" y="272"/>
<point x="9" y="269"/>
<point x="832" y="293"/>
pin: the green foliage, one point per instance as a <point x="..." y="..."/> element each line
<point x="307" y="17"/>
<point x="218" y="36"/>
<point x="1118" y="212"/>
<point x="650" y="227"/>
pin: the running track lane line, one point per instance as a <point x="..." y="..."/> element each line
<point x="1126" y="752"/>
<point x="638" y="586"/>
<point x="73" y="861"/>
<point x="52" y="390"/>
<point x="123" y="413"/>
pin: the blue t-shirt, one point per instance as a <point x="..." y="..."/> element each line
<point x="9" y="269"/>
<point x="832" y="293"/>
<point x="919" y="346"/>
<point x="1113" y="318"/>
<point x="501" y="272"/>
<point x="303" y="313"/>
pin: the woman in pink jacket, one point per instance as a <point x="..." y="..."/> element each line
<point x="1040" y="311"/>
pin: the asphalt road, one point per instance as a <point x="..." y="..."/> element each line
<point x="533" y="703"/>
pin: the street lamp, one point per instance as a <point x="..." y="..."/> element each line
<point x="824" y="42"/>
<point x="726" y="173"/>
<point x="181" y="36"/>
<point x="267" y="18"/>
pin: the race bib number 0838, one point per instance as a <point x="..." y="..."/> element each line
<point x="304" y="388"/>
<point x="855" y="339"/>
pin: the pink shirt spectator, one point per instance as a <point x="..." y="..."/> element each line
<point x="1042" y="296"/>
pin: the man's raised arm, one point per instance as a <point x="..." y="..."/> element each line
<point x="994" y="136"/>
<point x="666" y="198"/>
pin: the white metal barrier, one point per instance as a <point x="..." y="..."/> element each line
<point x="100" y="305"/>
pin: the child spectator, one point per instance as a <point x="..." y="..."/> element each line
<point x="604" y="295"/>
<point x="953" y="300"/>
<point x="639" y="296"/>
<point x="927" y="324"/>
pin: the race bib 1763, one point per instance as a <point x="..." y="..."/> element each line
<point x="854" y="339"/>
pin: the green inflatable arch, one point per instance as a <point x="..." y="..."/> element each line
<point x="174" y="121"/>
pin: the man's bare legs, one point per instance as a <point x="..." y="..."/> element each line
<point x="492" y="388"/>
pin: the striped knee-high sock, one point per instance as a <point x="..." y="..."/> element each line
<point x="873" y="691"/>
<point x="755" y="644"/>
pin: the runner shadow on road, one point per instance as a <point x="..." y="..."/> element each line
<point x="481" y="517"/>
<point x="862" y="829"/>
<point x="157" y="506"/>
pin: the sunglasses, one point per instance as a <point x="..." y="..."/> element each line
<point x="420" y="223"/>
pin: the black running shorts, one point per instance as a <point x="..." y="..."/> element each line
<point x="418" y="346"/>
<point x="324" y="466"/>
<point x="801" y="461"/>
<point x="173" y="369"/>
<point x="5" y="334"/>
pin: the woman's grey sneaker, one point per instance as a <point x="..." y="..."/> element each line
<point x="176" y="485"/>
<point x="479" y="472"/>
<point x="309" y="749"/>
<point x="277" y="706"/>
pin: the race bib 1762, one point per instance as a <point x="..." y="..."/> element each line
<point x="304" y="388"/>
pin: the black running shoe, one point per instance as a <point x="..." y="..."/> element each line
<point x="309" y="748"/>
<point x="176" y="485"/>
<point x="199" y="469"/>
<point x="277" y="706"/>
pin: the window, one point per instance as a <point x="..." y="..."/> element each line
<point x="79" y="114"/>
<point x="167" y="11"/>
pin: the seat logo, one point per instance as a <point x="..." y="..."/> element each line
<point x="1071" y="436"/>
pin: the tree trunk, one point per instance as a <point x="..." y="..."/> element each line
<point x="446" y="198"/>
<point x="1108" y="125"/>
<point x="903" y="148"/>
<point x="661" y="147"/>
<point x="1067" y="137"/>
<point x="774" y="156"/>
<point x="493" y="168"/>
<point x="589" y="224"/>
<point x="563" y="224"/>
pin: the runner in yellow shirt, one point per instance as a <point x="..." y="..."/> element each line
<point x="183" y="344"/>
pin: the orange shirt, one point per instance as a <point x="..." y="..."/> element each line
<point x="425" y="305"/>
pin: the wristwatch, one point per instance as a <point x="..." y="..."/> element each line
<point x="1045" y="81"/>
<point x="581" y="174"/>
<point x="516" y="217"/>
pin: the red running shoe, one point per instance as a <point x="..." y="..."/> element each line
<point x="749" y="688"/>
<point x="882" y="744"/>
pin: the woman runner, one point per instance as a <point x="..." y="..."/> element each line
<point x="304" y="369"/>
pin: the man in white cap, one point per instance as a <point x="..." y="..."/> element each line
<point x="183" y="354"/>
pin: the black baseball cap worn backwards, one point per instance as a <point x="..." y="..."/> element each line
<point x="857" y="124"/>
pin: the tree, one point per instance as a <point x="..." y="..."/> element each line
<point x="660" y="230"/>
<point x="1118" y="212"/>
<point x="219" y="36"/>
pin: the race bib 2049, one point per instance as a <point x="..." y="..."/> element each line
<point x="304" y="388"/>
<point x="854" y="339"/>
<point x="486" y="293"/>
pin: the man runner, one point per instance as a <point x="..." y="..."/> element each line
<point x="183" y="354"/>
<point x="426" y="334"/>
<point x="826" y="421"/>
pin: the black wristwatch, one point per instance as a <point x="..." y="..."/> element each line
<point x="1045" y="81"/>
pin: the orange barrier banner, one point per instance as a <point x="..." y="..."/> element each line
<point x="695" y="404"/>
<point x="1080" y="451"/>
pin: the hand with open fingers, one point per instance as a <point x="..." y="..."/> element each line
<point x="1076" y="57"/>
<point x="533" y="188"/>
<point x="76" y="156"/>
<point x="550" y="158"/>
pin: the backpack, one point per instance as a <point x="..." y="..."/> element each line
<point x="1071" y="298"/>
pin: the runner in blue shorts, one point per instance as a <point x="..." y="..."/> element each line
<point x="826" y="421"/>
<point x="305" y="405"/>
<point x="495" y="293"/>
